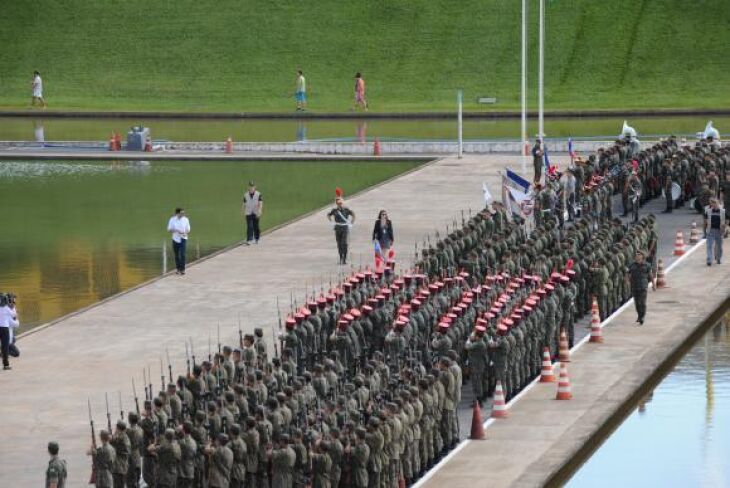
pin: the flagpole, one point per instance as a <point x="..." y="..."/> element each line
<point x="541" y="73"/>
<point x="524" y="145"/>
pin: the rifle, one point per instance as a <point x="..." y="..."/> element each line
<point x="187" y="358"/>
<point x="121" y="410"/>
<point x="92" y="479"/>
<point x="162" y="377"/>
<point x="169" y="366"/>
<point x="149" y="378"/>
<point x="240" y="333"/>
<point x="136" y="400"/>
<point x="108" y="415"/>
<point x="281" y="339"/>
<point x="219" y="337"/>
<point x="192" y="352"/>
<point x="144" y="383"/>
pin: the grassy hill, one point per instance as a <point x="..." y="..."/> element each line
<point x="242" y="54"/>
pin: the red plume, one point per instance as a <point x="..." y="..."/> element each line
<point x="338" y="192"/>
<point x="569" y="264"/>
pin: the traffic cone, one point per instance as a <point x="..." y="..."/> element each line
<point x="376" y="147"/>
<point x="229" y="146"/>
<point x="679" y="244"/>
<point x="564" y="384"/>
<point x="546" y="375"/>
<point x="499" y="407"/>
<point x="477" y="427"/>
<point x="564" y="350"/>
<point x="694" y="234"/>
<point x="595" y="323"/>
<point x="112" y="143"/>
<point x="148" y="145"/>
<point x="661" y="281"/>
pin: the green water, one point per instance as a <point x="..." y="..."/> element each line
<point x="77" y="232"/>
<point x="678" y="433"/>
<point x="87" y="129"/>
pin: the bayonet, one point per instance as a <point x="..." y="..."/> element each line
<point x="108" y="415"/>
<point x="136" y="400"/>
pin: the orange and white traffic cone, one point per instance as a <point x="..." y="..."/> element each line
<point x="679" y="244"/>
<point x="499" y="406"/>
<point x="564" y="392"/>
<point x="564" y="349"/>
<point x="661" y="281"/>
<point x="376" y="147"/>
<point x="546" y="375"/>
<point x="694" y="234"/>
<point x="229" y="146"/>
<point x="595" y="323"/>
<point x="477" y="426"/>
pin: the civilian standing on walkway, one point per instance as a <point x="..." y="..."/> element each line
<point x="179" y="227"/>
<point x="639" y="274"/>
<point x="344" y="218"/>
<point x="714" y="228"/>
<point x="252" y="207"/>
<point x="8" y="321"/>
<point x="383" y="235"/>
<point x="537" y="160"/>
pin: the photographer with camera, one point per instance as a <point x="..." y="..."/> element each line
<point x="8" y="322"/>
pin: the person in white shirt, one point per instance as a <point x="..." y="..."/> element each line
<point x="252" y="207"/>
<point x="8" y="321"/>
<point x="179" y="227"/>
<point x="37" y="86"/>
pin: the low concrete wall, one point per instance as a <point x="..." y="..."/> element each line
<point x="313" y="147"/>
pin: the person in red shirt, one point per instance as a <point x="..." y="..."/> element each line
<point x="360" y="100"/>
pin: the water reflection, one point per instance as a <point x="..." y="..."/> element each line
<point x="678" y="434"/>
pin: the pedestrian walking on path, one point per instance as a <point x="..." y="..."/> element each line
<point x="179" y="227"/>
<point x="300" y="93"/>
<point x="344" y="218"/>
<point x="639" y="275"/>
<point x="714" y="228"/>
<point x="37" y="87"/>
<point x="8" y="322"/>
<point x="252" y="207"/>
<point x="383" y="235"/>
<point x="360" y="100"/>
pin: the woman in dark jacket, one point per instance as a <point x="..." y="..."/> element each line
<point x="383" y="234"/>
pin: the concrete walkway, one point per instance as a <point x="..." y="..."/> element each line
<point x="101" y="349"/>
<point x="542" y="436"/>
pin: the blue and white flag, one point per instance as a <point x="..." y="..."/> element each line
<point x="513" y="180"/>
<point x="516" y="195"/>
<point x="570" y="147"/>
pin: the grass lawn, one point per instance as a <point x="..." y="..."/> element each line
<point x="241" y="55"/>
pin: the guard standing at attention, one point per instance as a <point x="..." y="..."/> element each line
<point x="344" y="218"/>
<point x="639" y="273"/>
